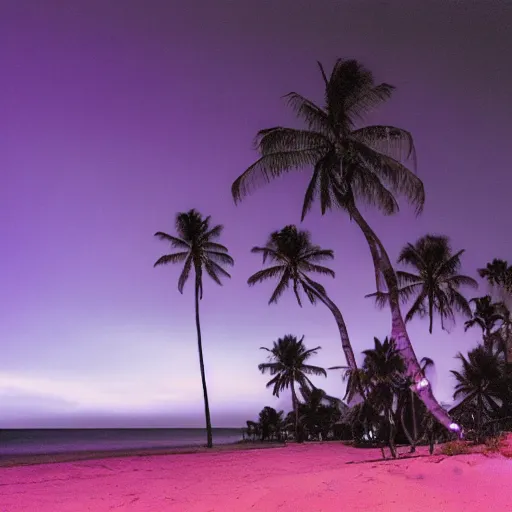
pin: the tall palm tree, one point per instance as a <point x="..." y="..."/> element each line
<point x="435" y="283"/>
<point x="487" y="315"/>
<point x="480" y="382"/>
<point x="288" y="367"/>
<point x="198" y="250"/>
<point x="350" y="166"/>
<point x="293" y="257"/>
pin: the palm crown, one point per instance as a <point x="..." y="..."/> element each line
<point x="498" y="274"/>
<point x="348" y="163"/>
<point x="486" y="314"/>
<point x="197" y="249"/>
<point x="481" y="378"/>
<point x="293" y="257"/>
<point x="435" y="285"/>
<point x="288" y="364"/>
<point x="383" y="364"/>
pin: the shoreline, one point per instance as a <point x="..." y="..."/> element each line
<point x="301" y="478"/>
<point x="76" y="456"/>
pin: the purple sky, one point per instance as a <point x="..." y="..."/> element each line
<point x="117" y="115"/>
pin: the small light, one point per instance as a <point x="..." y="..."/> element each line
<point x="423" y="383"/>
<point x="454" y="427"/>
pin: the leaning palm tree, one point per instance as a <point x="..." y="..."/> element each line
<point x="293" y="257"/>
<point x="288" y="367"/>
<point x="197" y="250"/>
<point x="434" y="283"/>
<point x="350" y="166"/>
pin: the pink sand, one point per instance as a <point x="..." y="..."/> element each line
<point x="308" y="478"/>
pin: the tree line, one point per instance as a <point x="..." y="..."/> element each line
<point x="352" y="166"/>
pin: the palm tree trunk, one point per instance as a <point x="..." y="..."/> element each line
<point x="342" y="328"/>
<point x="209" y="437"/>
<point x="405" y="429"/>
<point x="391" y="432"/>
<point x="382" y="262"/>
<point x="296" y="411"/>
<point x="430" y="312"/>
<point x="340" y="322"/>
<point x="480" y="406"/>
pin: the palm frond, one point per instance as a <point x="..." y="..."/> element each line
<point x="462" y="281"/>
<point x="214" y="246"/>
<point x="266" y="273"/>
<point x="177" y="243"/>
<point x="271" y="166"/>
<point x="407" y="278"/>
<point x="268" y="253"/>
<point x="220" y="257"/>
<point x="314" y="370"/>
<point x="368" y="99"/>
<point x="177" y="257"/>
<point x="211" y="272"/>
<point x="388" y="140"/>
<point x="395" y="175"/>
<point x="368" y="188"/>
<point x="460" y="303"/>
<point x="311" y="192"/>
<point x="272" y="368"/>
<point x="315" y="253"/>
<point x="418" y="307"/>
<point x="280" y="288"/>
<point x="185" y="273"/>
<point x="314" y="116"/>
<point x="318" y="269"/>
<point x="215" y="232"/>
<point x="381" y="299"/>
<point x="215" y="267"/>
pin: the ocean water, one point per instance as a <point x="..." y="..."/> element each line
<point x="49" y="441"/>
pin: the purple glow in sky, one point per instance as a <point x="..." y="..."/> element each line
<point x="117" y="115"/>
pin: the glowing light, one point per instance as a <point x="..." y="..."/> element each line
<point x="423" y="383"/>
<point x="454" y="427"/>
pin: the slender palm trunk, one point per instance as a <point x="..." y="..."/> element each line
<point x="342" y="328"/>
<point x="391" y="431"/>
<point x="430" y="312"/>
<point x="480" y="407"/>
<point x="398" y="329"/>
<point x="488" y="342"/>
<point x="209" y="437"/>
<point x="414" y="422"/>
<point x="340" y="322"/>
<point x="296" y="411"/>
<point x="406" y="430"/>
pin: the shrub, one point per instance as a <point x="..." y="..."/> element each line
<point x="455" y="448"/>
<point x="494" y="443"/>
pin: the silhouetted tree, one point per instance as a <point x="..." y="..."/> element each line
<point x="489" y="316"/>
<point x="197" y="251"/>
<point x="481" y="383"/>
<point x="435" y="284"/>
<point x="349" y="166"/>
<point x="288" y="366"/>
<point x="293" y="258"/>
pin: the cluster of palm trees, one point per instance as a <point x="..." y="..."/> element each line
<point x="350" y="166"/>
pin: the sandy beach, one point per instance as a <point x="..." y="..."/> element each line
<point x="308" y="478"/>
